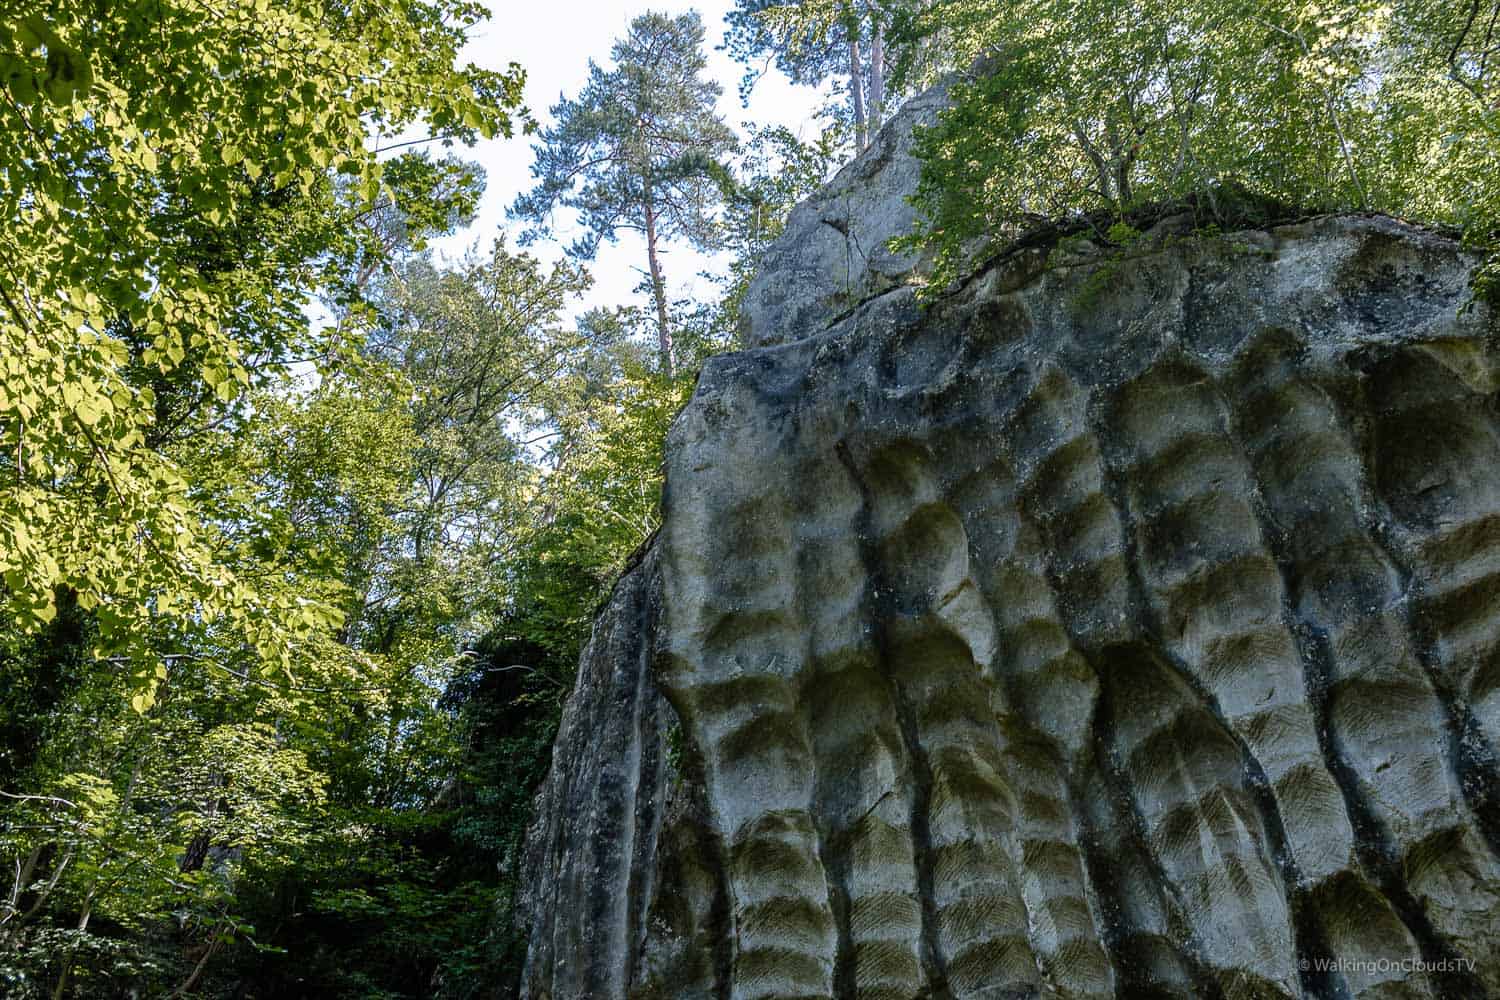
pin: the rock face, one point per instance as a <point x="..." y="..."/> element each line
<point x="1113" y="627"/>
<point x="833" y="252"/>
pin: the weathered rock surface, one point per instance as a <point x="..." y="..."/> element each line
<point x="833" y="254"/>
<point x="1111" y="628"/>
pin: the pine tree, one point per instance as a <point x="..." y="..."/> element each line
<point x="638" y="150"/>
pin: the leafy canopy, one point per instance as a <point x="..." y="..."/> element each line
<point x="166" y="208"/>
<point x="807" y="40"/>
<point x="1109" y="105"/>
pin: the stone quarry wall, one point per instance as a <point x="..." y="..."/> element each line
<point x="1116" y="626"/>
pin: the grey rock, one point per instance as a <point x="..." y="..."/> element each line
<point x="592" y="851"/>
<point x="833" y="252"/>
<point x="1111" y="627"/>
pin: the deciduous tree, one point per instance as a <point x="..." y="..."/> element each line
<point x="167" y="205"/>
<point x="812" y="41"/>
<point x="1108" y="105"/>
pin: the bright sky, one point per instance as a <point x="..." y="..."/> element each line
<point x="554" y="40"/>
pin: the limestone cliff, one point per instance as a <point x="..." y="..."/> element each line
<point x="1120" y="625"/>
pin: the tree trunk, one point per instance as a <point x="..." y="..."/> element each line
<point x="877" y="77"/>
<point x="195" y="854"/>
<point x="182" y="991"/>
<point x="61" y="989"/>
<point x="658" y="292"/>
<point x="1101" y="169"/>
<point x="24" y="875"/>
<point x="857" y="90"/>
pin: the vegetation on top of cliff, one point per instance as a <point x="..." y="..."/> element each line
<point x="1340" y="105"/>
<point x="638" y="150"/>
